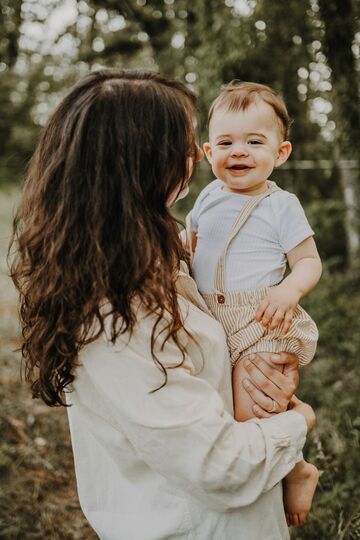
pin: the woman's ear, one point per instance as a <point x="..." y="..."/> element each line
<point x="207" y="151"/>
<point x="284" y="152"/>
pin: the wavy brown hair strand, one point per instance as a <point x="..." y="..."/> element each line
<point x="94" y="226"/>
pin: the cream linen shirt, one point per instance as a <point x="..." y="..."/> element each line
<point x="174" y="464"/>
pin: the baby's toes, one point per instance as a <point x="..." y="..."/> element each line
<point x="294" y="518"/>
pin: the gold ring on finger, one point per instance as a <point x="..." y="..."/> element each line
<point x="274" y="407"/>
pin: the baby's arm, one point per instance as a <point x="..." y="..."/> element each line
<point x="188" y="236"/>
<point x="193" y="241"/>
<point x="278" y="306"/>
<point x="185" y="239"/>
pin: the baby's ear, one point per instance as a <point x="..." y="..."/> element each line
<point x="207" y="151"/>
<point x="284" y="152"/>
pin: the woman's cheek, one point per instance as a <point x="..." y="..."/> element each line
<point x="182" y="193"/>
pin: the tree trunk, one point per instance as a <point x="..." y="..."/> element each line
<point x="338" y="18"/>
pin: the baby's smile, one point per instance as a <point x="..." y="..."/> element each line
<point x="239" y="166"/>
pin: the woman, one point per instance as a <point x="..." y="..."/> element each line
<point x="114" y="327"/>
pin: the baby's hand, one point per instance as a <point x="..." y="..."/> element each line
<point x="277" y="307"/>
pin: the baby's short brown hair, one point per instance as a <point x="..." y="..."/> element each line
<point x="238" y="95"/>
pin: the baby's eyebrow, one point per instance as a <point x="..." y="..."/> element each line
<point x="222" y="135"/>
<point x="251" y="134"/>
<point x="257" y="135"/>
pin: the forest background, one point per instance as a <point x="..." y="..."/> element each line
<point x="307" y="50"/>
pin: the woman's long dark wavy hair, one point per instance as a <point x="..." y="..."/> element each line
<point x="94" y="223"/>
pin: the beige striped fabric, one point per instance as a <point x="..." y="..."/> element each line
<point x="236" y="310"/>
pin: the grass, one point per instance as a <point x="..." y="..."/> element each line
<point x="38" y="499"/>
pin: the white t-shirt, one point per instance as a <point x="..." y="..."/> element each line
<point x="257" y="255"/>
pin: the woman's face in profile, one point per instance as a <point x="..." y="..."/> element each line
<point x="176" y="196"/>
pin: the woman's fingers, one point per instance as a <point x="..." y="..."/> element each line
<point x="261" y="413"/>
<point x="266" y="384"/>
<point x="262" y="402"/>
<point x="289" y="360"/>
<point x="256" y="362"/>
<point x="289" y="364"/>
<point x="270" y="381"/>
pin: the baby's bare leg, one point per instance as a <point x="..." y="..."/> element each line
<point x="300" y="484"/>
<point x="242" y="401"/>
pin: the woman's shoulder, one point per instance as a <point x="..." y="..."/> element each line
<point x="197" y="321"/>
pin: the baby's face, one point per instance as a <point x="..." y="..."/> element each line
<point x="245" y="146"/>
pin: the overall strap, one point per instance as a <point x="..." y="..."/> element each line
<point x="244" y="214"/>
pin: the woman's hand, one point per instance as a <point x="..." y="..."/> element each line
<point x="272" y="382"/>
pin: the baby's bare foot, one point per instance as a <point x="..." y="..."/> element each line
<point x="298" y="491"/>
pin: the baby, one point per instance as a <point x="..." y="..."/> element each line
<point x="243" y="231"/>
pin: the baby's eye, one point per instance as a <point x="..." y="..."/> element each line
<point x="224" y="143"/>
<point x="254" y="141"/>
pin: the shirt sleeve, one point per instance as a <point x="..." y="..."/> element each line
<point x="195" y="212"/>
<point x="184" y="432"/>
<point x="193" y="216"/>
<point x="292" y="221"/>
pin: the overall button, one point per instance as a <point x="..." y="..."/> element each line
<point x="221" y="299"/>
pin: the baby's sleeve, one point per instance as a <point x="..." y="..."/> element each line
<point x="194" y="214"/>
<point x="293" y="225"/>
<point x="192" y="220"/>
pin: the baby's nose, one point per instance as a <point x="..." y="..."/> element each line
<point x="239" y="150"/>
